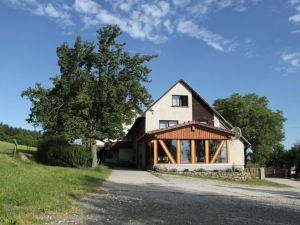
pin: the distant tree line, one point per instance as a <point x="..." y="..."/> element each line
<point x="23" y="136"/>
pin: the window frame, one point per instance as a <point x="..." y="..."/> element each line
<point x="168" y="121"/>
<point x="180" y="101"/>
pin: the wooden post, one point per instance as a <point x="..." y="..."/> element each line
<point x="206" y="151"/>
<point x="193" y="151"/>
<point x="155" y="153"/>
<point x="228" y="151"/>
<point x="178" y="148"/>
<point x="218" y="151"/>
<point x="163" y="145"/>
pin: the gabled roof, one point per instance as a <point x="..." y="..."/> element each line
<point x="191" y="123"/>
<point x="211" y="129"/>
<point x="184" y="83"/>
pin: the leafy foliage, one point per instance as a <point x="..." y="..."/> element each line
<point x="100" y="89"/>
<point x="47" y="144"/>
<point x="262" y="126"/>
<point x="286" y="158"/>
<point x="23" y="136"/>
<point x="56" y="151"/>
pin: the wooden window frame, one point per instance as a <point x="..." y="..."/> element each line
<point x="168" y="121"/>
<point x="180" y="101"/>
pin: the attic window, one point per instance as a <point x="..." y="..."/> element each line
<point x="180" y="100"/>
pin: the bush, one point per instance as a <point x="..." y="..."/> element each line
<point x="238" y="170"/>
<point x="56" y="151"/>
<point x="186" y="170"/>
<point x="46" y="145"/>
<point x="200" y="170"/>
<point x="174" y="170"/>
<point x="229" y="170"/>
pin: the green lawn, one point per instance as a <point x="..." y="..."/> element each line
<point x="27" y="190"/>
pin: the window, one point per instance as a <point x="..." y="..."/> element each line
<point x="167" y="123"/>
<point x="180" y="100"/>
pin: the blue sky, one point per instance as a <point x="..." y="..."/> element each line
<point x="218" y="46"/>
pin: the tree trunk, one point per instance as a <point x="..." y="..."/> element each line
<point x="94" y="155"/>
<point x="15" y="150"/>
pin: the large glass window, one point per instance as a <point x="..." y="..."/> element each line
<point x="200" y="151"/>
<point x="180" y="100"/>
<point x="167" y="123"/>
<point x="185" y="151"/>
<point x="213" y="145"/>
<point x="162" y="156"/>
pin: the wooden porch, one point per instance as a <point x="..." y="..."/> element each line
<point x="199" y="139"/>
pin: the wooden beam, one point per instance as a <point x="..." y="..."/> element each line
<point x="155" y="152"/>
<point x="193" y="151"/>
<point x="206" y="151"/>
<point x="178" y="148"/>
<point x="228" y="151"/>
<point x="163" y="145"/>
<point x="218" y="151"/>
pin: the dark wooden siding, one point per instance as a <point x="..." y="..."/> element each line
<point x="201" y="112"/>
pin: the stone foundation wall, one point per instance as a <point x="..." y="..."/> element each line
<point x="206" y="167"/>
<point x="223" y="174"/>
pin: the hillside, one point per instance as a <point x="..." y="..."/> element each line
<point x="23" y="136"/>
<point x="30" y="190"/>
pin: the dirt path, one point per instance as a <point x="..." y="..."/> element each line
<point x="138" y="197"/>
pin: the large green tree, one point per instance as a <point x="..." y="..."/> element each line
<point x="263" y="127"/>
<point x="100" y="89"/>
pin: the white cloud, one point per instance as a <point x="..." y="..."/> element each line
<point x="168" y="25"/>
<point x="249" y="49"/>
<point x="154" y="20"/>
<point x="210" y="38"/>
<point x="295" y="18"/>
<point x="86" y="6"/>
<point x="295" y="5"/>
<point x="58" y="13"/>
<point x="181" y="3"/>
<point x="291" y="62"/>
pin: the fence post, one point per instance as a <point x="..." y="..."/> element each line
<point x="262" y="174"/>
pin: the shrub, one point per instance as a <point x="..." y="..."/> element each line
<point x="186" y="170"/>
<point x="238" y="170"/>
<point x="173" y="170"/>
<point x="70" y="156"/>
<point x="228" y="170"/>
<point x="56" y="151"/>
<point x="200" y="170"/>
<point x="46" y="145"/>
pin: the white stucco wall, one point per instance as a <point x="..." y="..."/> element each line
<point x="216" y="121"/>
<point x="163" y="110"/>
<point x="237" y="153"/>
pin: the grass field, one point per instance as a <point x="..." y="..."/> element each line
<point x="28" y="190"/>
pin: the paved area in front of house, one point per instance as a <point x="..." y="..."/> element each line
<point x="138" y="197"/>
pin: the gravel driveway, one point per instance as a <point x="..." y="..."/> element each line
<point x="138" y="197"/>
